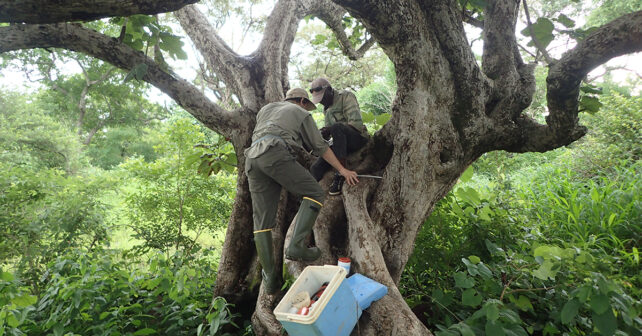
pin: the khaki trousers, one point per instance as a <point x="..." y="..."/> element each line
<point x="270" y="171"/>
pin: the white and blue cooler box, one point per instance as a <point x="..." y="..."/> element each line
<point x="335" y="314"/>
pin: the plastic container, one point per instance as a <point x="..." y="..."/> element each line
<point x="335" y="314"/>
<point x="365" y="290"/>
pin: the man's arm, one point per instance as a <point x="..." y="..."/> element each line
<point x="312" y="137"/>
<point x="350" y="176"/>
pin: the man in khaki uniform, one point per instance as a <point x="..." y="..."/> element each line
<point x="270" y="165"/>
<point x="342" y="123"/>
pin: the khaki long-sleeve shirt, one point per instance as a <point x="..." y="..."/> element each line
<point x="345" y="109"/>
<point x="284" y="121"/>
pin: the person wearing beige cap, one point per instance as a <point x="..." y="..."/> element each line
<point x="271" y="165"/>
<point x="342" y="123"/>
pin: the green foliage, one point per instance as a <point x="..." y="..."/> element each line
<point x="143" y="32"/>
<point x="106" y="294"/>
<point x="116" y="144"/>
<point x="614" y="133"/>
<point x="375" y="100"/>
<point x="606" y="11"/>
<point x="90" y="101"/>
<point x="43" y="213"/>
<point x="172" y="205"/>
<point x="38" y="142"/>
<point x="218" y="156"/>
<point x="542" y="30"/>
<point x="539" y="244"/>
<point x="600" y="213"/>
<point x="15" y="304"/>
<point x="326" y="61"/>
<point x="550" y="290"/>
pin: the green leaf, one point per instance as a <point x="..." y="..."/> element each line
<point x="367" y="117"/>
<point x="484" y="271"/>
<point x="467" y="175"/>
<point x="605" y="323"/>
<point x="583" y="293"/>
<point x="569" y="311"/>
<point x="485" y="213"/>
<point x="472" y="268"/>
<point x="524" y="303"/>
<point x="103" y="315"/>
<point x="12" y="321"/>
<point x="58" y="329"/>
<point x="545" y="271"/>
<point x="24" y="300"/>
<point x="138" y="72"/>
<point x="463" y="281"/>
<point x="547" y="252"/>
<point x="470" y="297"/>
<point x="600" y="303"/>
<point x="588" y="88"/>
<point x="492" y="312"/>
<point x="474" y="259"/>
<point x="543" y="30"/>
<point x="382" y="119"/>
<point x="590" y="104"/>
<point x="172" y="44"/>
<point x="566" y="21"/>
<point x="319" y="39"/>
<point x="469" y="195"/>
<point x="6" y="276"/>
<point x="494" y="328"/>
<point x="146" y="331"/>
<point x="464" y="329"/>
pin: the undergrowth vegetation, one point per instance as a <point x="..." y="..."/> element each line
<point x="539" y="244"/>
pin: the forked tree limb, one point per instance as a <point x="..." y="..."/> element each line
<point x="619" y="37"/>
<point x="332" y="15"/>
<point x="38" y="11"/>
<point x="77" y="38"/>
<point x="392" y="311"/>
<point x="227" y="64"/>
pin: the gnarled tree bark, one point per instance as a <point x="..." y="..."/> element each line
<point x="447" y="112"/>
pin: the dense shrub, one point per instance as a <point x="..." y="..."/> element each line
<point x="541" y="250"/>
<point x="108" y="293"/>
<point x="45" y="212"/>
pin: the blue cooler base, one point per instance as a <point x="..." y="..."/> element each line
<point x="366" y="290"/>
<point x="335" y="317"/>
<point x="338" y="318"/>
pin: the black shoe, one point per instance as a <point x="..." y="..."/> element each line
<point x="337" y="183"/>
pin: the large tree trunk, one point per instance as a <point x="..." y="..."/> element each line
<point x="446" y="114"/>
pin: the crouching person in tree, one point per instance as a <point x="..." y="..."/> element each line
<point x="270" y="165"/>
<point x="342" y="123"/>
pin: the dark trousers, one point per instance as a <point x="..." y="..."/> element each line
<point x="345" y="140"/>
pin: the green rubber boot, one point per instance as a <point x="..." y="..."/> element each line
<point x="263" y="241"/>
<point x="308" y="212"/>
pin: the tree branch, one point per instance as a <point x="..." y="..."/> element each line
<point x="332" y="15"/>
<point x="468" y="18"/>
<point x="38" y="11"/>
<point x="274" y="50"/>
<point x="77" y="38"/>
<point x="538" y="44"/>
<point x="619" y="37"/>
<point x="217" y="54"/>
<point x="499" y="39"/>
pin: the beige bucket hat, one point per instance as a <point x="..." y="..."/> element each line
<point x="298" y="93"/>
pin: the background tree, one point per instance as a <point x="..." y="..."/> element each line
<point x="448" y="111"/>
<point x="171" y="206"/>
